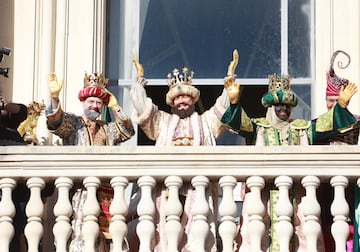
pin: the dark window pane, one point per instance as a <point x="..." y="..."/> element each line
<point x="113" y="42"/>
<point x="202" y="34"/>
<point x="303" y="109"/>
<point x="299" y="38"/>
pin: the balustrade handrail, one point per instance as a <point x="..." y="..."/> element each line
<point x="67" y="167"/>
<point x="159" y="162"/>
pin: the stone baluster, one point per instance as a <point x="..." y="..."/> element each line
<point x="91" y="211"/>
<point x="340" y="211"/>
<point x="34" y="211"/>
<point x="284" y="212"/>
<point x="7" y="212"/>
<point x="311" y="210"/>
<point x="62" y="211"/>
<point x="173" y="211"/>
<point x="227" y="211"/>
<point x="119" y="210"/>
<point x="200" y="227"/>
<point x="255" y="210"/>
<point x="145" y="229"/>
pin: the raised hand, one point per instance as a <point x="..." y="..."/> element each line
<point x="233" y="64"/>
<point x="346" y="93"/>
<point x="138" y="66"/>
<point x="231" y="88"/>
<point x="113" y="103"/>
<point x="55" y="86"/>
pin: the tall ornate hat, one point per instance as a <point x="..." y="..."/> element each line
<point x="333" y="81"/>
<point x="279" y="92"/>
<point x="95" y="86"/>
<point x="181" y="84"/>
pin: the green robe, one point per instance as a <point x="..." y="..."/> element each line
<point x="327" y="125"/>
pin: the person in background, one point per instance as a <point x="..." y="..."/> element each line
<point x="89" y="130"/>
<point x="11" y="116"/>
<point x="347" y="136"/>
<point x="278" y="128"/>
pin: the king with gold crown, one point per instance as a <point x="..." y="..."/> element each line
<point x="277" y="127"/>
<point x="182" y="127"/>
<point x="88" y="130"/>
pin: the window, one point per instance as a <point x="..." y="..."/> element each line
<point x="271" y="37"/>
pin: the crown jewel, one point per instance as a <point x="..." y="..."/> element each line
<point x="278" y="83"/>
<point x="95" y="79"/>
<point x="176" y="78"/>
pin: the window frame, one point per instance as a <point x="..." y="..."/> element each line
<point x="132" y="22"/>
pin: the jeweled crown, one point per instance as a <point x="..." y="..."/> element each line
<point x="176" y="78"/>
<point x="95" y="79"/>
<point x="278" y="82"/>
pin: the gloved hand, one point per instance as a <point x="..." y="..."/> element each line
<point x="138" y="66"/>
<point x="55" y="86"/>
<point x="231" y="88"/>
<point x="233" y="64"/>
<point x="113" y="103"/>
<point x="346" y="93"/>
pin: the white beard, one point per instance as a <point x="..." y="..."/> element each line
<point x="91" y="115"/>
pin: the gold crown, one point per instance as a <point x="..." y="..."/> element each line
<point x="95" y="79"/>
<point x="278" y="83"/>
<point x="180" y="79"/>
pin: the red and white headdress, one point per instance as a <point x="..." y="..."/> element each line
<point x="335" y="82"/>
<point x="95" y="86"/>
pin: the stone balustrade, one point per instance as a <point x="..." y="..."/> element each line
<point x="279" y="168"/>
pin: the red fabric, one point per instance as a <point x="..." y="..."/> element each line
<point x="93" y="91"/>
<point x="350" y="240"/>
<point x="105" y="194"/>
<point x="334" y="83"/>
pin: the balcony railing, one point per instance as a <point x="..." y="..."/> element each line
<point x="65" y="167"/>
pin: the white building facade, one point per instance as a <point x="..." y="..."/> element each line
<point x="74" y="37"/>
<point x="71" y="37"/>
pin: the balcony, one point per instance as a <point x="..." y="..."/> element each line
<point x="67" y="168"/>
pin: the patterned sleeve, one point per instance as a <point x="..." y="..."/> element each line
<point x="124" y="126"/>
<point x="63" y="128"/>
<point x="237" y="120"/>
<point x="332" y="123"/>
